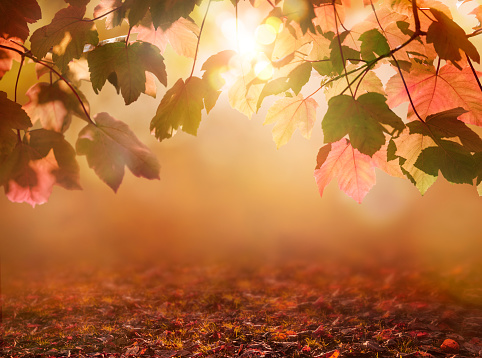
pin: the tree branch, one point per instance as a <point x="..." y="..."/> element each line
<point x="199" y="39"/>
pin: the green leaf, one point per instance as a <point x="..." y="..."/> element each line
<point x="299" y="77"/>
<point x="180" y="107"/>
<point x="449" y="38"/>
<point x="110" y="145"/>
<point x="129" y="63"/>
<point x="164" y="13"/>
<point x="453" y="160"/>
<point x="373" y="45"/>
<point x="66" y="35"/>
<point x="336" y="58"/>
<point x="273" y="87"/>
<point x="302" y="12"/>
<point x="363" y="119"/>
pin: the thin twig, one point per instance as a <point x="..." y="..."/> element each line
<point x="474" y="72"/>
<point x="199" y="40"/>
<point x="341" y="49"/>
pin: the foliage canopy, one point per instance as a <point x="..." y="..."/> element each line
<point x="430" y="55"/>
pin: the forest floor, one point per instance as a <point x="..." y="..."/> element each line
<point x="280" y="309"/>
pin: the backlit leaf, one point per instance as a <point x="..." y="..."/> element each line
<point x="410" y="147"/>
<point x="110" y="145"/>
<point x="363" y="119"/>
<point x="299" y="77"/>
<point x="181" y="108"/>
<point x="289" y="114"/>
<point x="182" y="35"/>
<point x="128" y="63"/>
<point x="66" y="36"/>
<point x="244" y="97"/>
<point x="300" y="11"/>
<point x="7" y="56"/>
<point x="449" y="38"/>
<point x="432" y="93"/>
<point x="115" y="12"/>
<point x="273" y="87"/>
<point x="53" y="105"/>
<point x="373" y="45"/>
<point x="15" y="15"/>
<point x="353" y="170"/>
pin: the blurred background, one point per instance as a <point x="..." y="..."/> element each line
<point x="228" y="195"/>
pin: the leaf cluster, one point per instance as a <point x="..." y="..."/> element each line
<point x="311" y="45"/>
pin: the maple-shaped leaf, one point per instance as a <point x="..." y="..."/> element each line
<point x="180" y="107"/>
<point x="289" y="114"/>
<point x="449" y="38"/>
<point x="391" y="167"/>
<point x="433" y="93"/>
<point x="164" y="13"/>
<point x="26" y="177"/>
<point x="353" y="170"/>
<point x="327" y="18"/>
<point x="7" y="56"/>
<point x="128" y="63"/>
<point x="273" y="87"/>
<point x="340" y="55"/>
<point x="65" y="36"/>
<point x="43" y="159"/>
<point x="373" y="45"/>
<point x="115" y="11"/>
<point x="214" y="66"/>
<point x="478" y="14"/>
<point x="110" y="145"/>
<point x="15" y="15"/>
<point x="54" y="104"/>
<point x="410" y="146"/>
<point x="182" y="35"/>
<point x="363" y="119"/>
<point x="12" y="115"/>
<point x="300" y="11"/>
<point x="66" y="171"/>
<point x="299" y="77"/>
<point x="243" y="95"/>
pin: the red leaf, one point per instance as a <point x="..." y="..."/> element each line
<point x="353" y="170"/>
<point x="14" y="16"/>
<point x="433" y="93"/>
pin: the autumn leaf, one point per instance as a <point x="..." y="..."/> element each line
<point x="15" y="15"/>
<point x="373" y="45"/>
<point x="43" y="159"/>
<point x="327" y="19"/>
<point x="110" y="145"/>
<point x="244" y="95"/>
<point x="128" y="63"/>
<point x="410" y="146"/>
<point x="289" y="114"/>
<point x="12" y="114"/>
<point x="353" y="170"/>
<point x="449" y="38"/>
<point x="7" y="56"/>
<point x="214" y="67"/>
<point x="164" y="13"/>
<point x="12" y="117"/>
<point x="363" y="119"/>
<point x="302" y="12"/>
<point x="180" y="107"/>
<point x="66" y="171"/>
<point x="339" y="55"/>
<point x="54" y="104"/>
<point x="115" y="11"/>
<point x="65" y="36"/>
<point x="273" y="87"/>
<point x="182" y="35"/>
<point x="299" y="77"/>
<point x="433" y="93"/>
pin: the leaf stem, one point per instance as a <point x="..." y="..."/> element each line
<point x="199" y="40"/>
<point x="340" y="47"/>
<point x="18" y="78"/>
